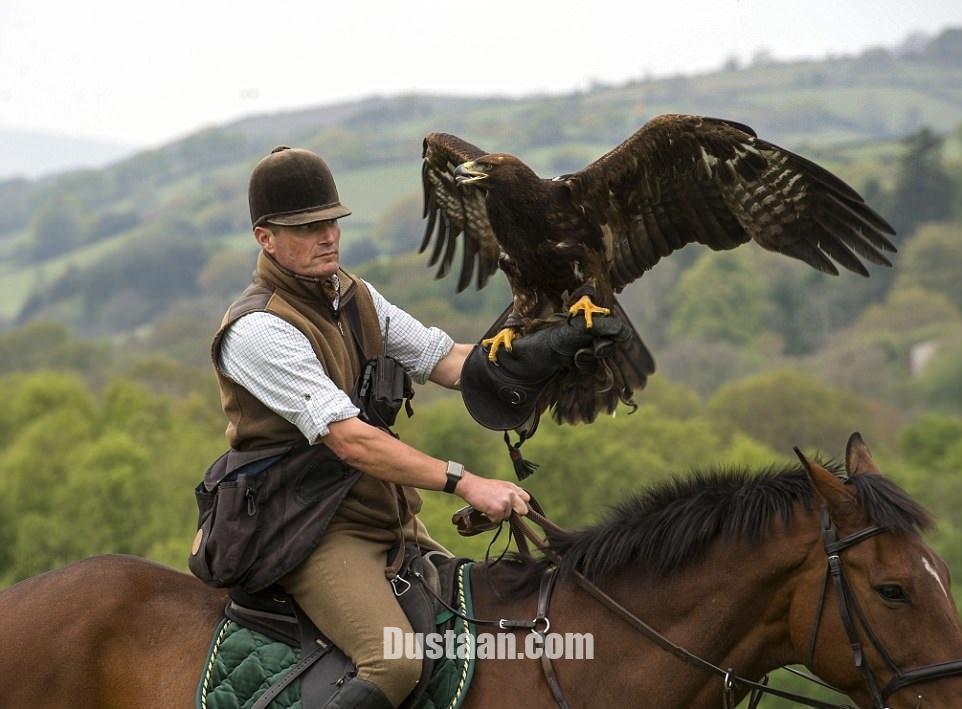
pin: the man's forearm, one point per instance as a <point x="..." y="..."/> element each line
<point x="376" y="453"/>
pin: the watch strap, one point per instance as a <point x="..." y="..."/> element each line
<point x="454" y="471"/>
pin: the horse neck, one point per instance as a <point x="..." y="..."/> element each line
<point x="732" y="609"/>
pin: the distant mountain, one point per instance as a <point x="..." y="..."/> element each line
<point x="29" y="154"/>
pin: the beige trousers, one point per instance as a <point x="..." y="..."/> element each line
<point x="343" y="587"/>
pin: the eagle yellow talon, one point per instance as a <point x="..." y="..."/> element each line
<point x="502" y="339"/>
<point x="588" y="309"/>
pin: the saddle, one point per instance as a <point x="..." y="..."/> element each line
<point x="323" y="667"/>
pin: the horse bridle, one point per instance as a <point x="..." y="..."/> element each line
<point x="847" y="603"/>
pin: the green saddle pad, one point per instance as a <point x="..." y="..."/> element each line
<point x="243" y="664"/>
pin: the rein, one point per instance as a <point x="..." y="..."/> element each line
<point x="730" y="680"/>
<point x="833" y="546"/>
<point x="846" y="599"/>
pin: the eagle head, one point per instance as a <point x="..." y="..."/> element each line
<point x="488" y="170"/>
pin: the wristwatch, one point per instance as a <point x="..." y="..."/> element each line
<point x="454" y="471"/>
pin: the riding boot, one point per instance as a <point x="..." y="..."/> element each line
<point x="359" y="694"/>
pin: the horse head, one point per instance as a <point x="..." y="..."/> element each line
<point x="873" y="614"/>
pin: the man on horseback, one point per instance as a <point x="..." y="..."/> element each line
<point x="288" y="357"/>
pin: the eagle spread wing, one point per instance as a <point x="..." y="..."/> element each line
<point x="685" y="179"/>
<point x="451" y="211"/>
<point x="678" y="180"/>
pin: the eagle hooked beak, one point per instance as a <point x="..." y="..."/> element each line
<point x="467" y="172"/>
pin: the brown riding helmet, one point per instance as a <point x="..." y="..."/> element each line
<point x="292" y="186"/>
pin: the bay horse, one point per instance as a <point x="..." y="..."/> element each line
<point x="734" y="567"/>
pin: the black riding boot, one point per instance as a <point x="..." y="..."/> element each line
<point x="359" y="694"/>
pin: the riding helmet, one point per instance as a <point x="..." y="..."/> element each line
<point x="293" y="186"/>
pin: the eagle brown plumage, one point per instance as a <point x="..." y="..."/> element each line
<point x="678" y="180"/>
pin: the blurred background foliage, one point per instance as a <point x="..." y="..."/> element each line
<point x="113" y="281"/>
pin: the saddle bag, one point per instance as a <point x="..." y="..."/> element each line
<point x="261" y="513"/>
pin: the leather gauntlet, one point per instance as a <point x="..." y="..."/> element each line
<point x="501" y="396"/>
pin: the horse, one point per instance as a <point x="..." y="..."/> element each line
<point x="745" y="572"/>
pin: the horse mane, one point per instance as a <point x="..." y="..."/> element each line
<point x="671" y="525"/>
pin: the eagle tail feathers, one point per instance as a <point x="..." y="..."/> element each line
<point x="579" y="397"/>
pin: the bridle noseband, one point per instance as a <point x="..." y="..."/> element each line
<point x="847" y="603"/>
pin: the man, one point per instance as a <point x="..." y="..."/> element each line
<point x="288" y="353"/>
<point x="286" y="362"/>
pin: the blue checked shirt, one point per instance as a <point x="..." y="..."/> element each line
<point x="274" y="361"/>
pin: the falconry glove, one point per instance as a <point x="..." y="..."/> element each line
<point x="502" y="395"/>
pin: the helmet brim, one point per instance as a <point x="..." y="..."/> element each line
<point x="306" y="216"/>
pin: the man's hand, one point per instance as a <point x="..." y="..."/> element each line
<point x="496" y="499"/>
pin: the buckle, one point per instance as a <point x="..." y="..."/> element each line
<point x="540" y="632"/>
<point x="396" y="581"/>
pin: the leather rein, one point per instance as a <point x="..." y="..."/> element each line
<point x="845" y="601"/>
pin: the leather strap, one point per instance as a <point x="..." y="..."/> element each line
<point x="846" y="601"/>
<point x="858" y="655"/>
<point x="296" y="671"/>
<point x="544" y="604"/>
<point x="757" y="695"/>
<point x="689" y="657"/>
<point x="923" y="674"/>
<point x="730" y="679"/>
<point x="502" y="623"/>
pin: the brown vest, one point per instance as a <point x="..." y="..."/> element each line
<point x="303" y="303"/>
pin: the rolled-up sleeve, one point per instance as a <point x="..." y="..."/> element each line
<point x="416" y="347"/>
<point x="274" y="361"/>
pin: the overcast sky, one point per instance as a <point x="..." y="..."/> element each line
<point x="142" y="73"/>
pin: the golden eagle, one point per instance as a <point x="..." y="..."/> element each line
<point x="567" y="245"/>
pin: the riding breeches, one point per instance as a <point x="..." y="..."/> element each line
<point x="345" y="591"/>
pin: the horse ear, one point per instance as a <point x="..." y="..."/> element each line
<point x="858" y="458"/>
<point x="841" y="500"/>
